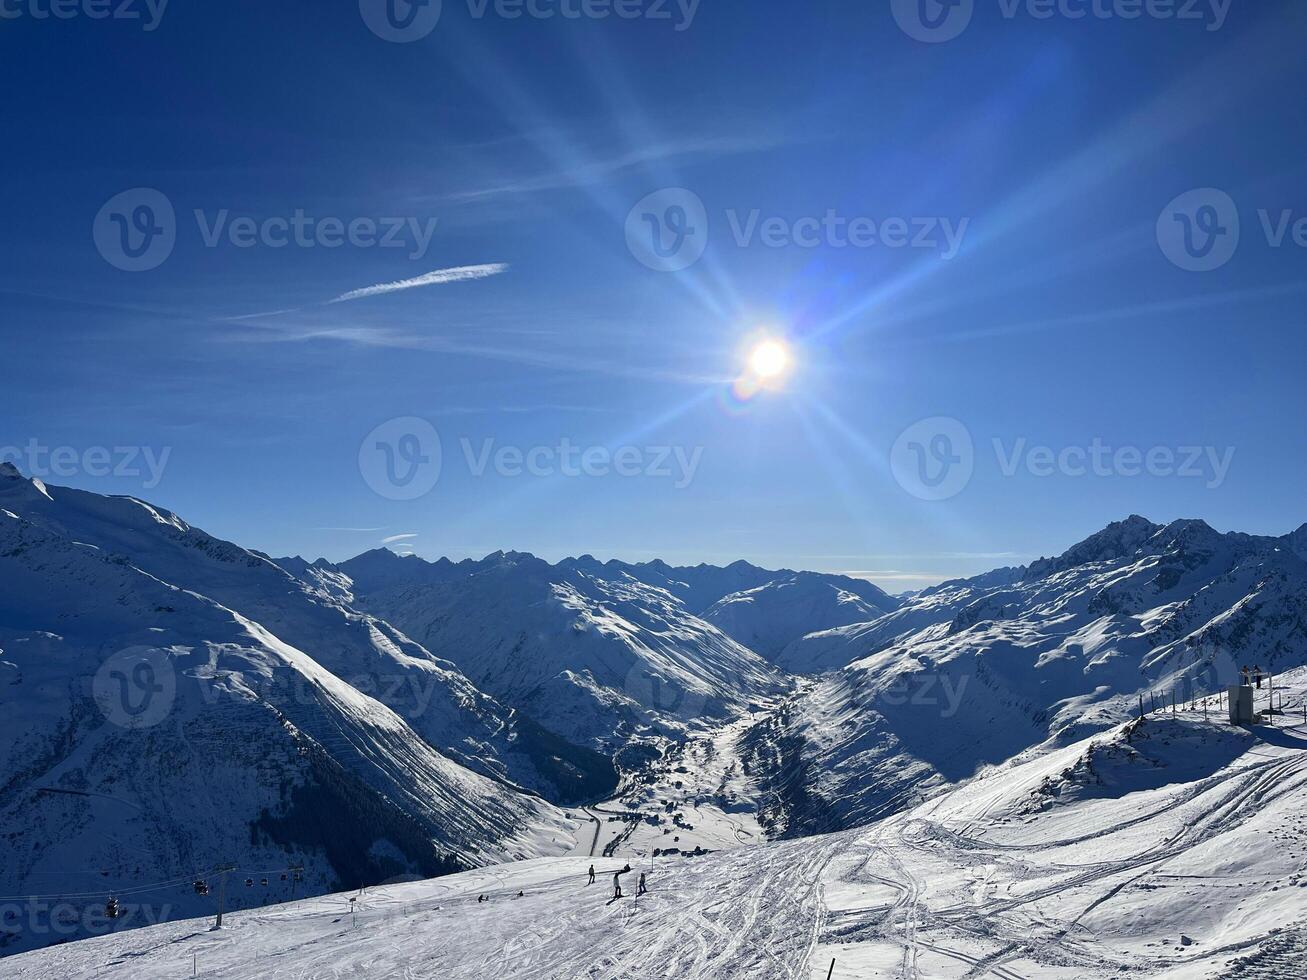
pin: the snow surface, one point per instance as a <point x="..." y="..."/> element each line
<point x="1175" y="847"/>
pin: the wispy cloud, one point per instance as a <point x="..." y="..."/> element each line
<point x="439" y="277"/>
<point x="398" y="537"/>
<point x="615" y="365"/>
<point x="579" y="173"/>
<point x="518" y="409"/>
<point x="255" y="316"/>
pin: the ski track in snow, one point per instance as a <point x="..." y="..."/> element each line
<point x="974" y="883"/>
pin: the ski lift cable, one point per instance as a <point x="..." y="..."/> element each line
<point x="137" y="889"/>
<point x="131" y="890"/>
<point x="120" y="891"/>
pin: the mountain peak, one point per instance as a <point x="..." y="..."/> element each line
<point x="1188" y="527"/>
<point x="512" y="557"/>
<point x="11" y="478"/>
<point x="1117" y="540"/>
<point x="379" y="554"/>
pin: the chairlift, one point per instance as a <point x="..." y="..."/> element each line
<point x="283" y="876"/>
<point x="201" y="887"/>
<point x="264" y="882"/>
<point x="249" y="882"/>
<point x="111" y="908"/>
<point x="298" y="876"/>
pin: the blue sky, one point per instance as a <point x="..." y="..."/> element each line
<point x="1009" y="280"/>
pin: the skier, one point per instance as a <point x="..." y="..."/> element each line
<point x="1243" y="675"/>
<point x="592" y="875"/>
<point x="1257" y="675"/>
<point x="617" y="881"/>
<point x="641" y="890"/>
<point x="480" y="899"/>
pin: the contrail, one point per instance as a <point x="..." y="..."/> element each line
<point x="437" y="278"/>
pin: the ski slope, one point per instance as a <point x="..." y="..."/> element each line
<point x="1175" y="847"/>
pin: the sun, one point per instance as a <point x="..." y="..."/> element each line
<point x="766" y="360"/>
<point x="769" y="360"/>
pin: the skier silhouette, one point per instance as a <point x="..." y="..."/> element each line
<point x="641" y="890"/>
<point x="1257" y="676"/>
<point x="617" y="881"/>
<point x="592" y="875"/>
<point x="1243" y="675"/>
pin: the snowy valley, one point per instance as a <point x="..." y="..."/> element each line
<point x="387" y="750"/>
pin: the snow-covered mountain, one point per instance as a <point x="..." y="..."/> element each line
<point x="309" y="611"/>
<point x="596" y="659"/>
<point x="769" y="618"/>
<point x="149" y="731"/>
<point x="170" y="701"/>
<point x="657" y="655"/>
<point x="977" y="671"/>
<point x="697" y="587"/>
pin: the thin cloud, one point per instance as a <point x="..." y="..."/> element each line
<point x="255" y="316"/>
<point x="587" y="173"/>
<point x="384" y="337"/>
<point x="439" y="277"/>
<point x="397" y="537"/>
